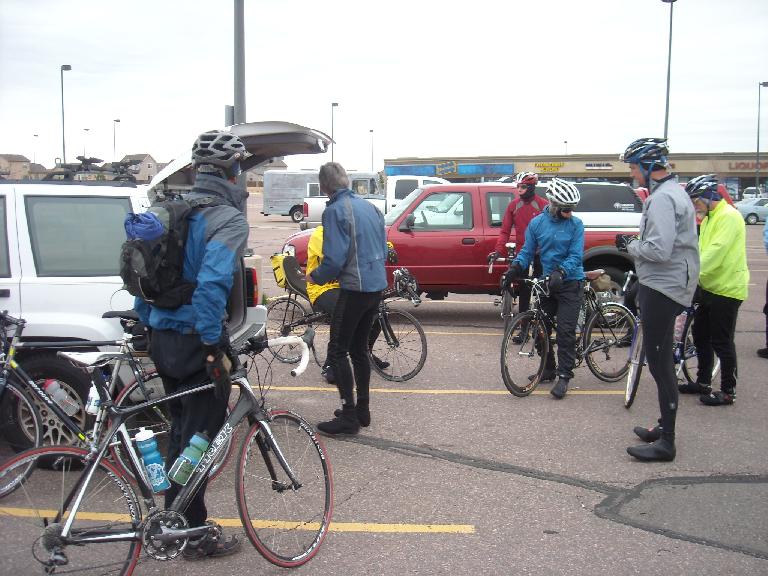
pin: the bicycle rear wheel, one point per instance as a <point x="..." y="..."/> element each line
<point x="636" y="362"/>
<point x="400" y="351"/>
<point x="29" y="511"/>
<point x="20" y="425"/>
<point x="285" y="524"/>
<point x="320" y="343"/>
<point x="689" y="360"/>
<point x="607" y="341"/>
<point x="281" y="313"/>
<point x="524" y="350"/>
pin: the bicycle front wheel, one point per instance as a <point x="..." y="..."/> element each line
<point x="20" y="425"/>
<point x="400" y="350"/>
<point x="31" y="515"/>
<point x="281" y="313"/>
<point x="285" y="522"/>
<point x="524" y="352"/>
<point x="607" y="341"/>
<point x="636" y="362"/>
<point x="690" y="362"/>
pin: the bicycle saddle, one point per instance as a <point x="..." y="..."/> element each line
<point x="294" y="277"/>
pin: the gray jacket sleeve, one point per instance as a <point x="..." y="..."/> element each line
<point x="658" y="235"/>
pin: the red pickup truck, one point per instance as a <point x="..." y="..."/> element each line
<point x="443" y="233"/>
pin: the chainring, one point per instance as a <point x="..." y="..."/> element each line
<point x="153" y="525"/>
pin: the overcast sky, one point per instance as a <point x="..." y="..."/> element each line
<point x="429" y="77"/>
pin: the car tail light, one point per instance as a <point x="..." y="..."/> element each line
<point x="252" y="287"/>
<point x="306" y="210"/>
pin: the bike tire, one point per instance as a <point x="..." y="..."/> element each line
<point x="286" y="525"/>
<point x="636" y="362"/>
<point x="282" y="312"/>
<point x="607" y="341"/>
<point x="506" y="308"/>
<point x="21" y="427"/>
<point x="524" y="339"/>
<point x="158" y="419"/>
<point x="402" y="345"/>
<point x="689" y="360"/>
<point x="108" y="503"/>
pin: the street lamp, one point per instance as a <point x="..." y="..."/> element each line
<point x="85" y="135"/>
<point x="371" y="131"/>
<point x="34" y="152"/>
<point x="333" y="105"/>
<point x="757" y="154"/>
<point x="64" y="68"/>
<point x="669" y="64"/>
<point x="115" y="122"/>
<point x="566" y="146"/>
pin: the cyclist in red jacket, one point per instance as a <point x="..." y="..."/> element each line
<point x="519" y="213"/>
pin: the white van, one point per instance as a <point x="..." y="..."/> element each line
<point x="398" y="187"/>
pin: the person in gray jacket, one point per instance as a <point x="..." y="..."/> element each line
<point x="666" y="259"/>
<point x="354" y="252"/>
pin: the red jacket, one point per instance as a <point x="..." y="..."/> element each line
<point x="519" y="214"/>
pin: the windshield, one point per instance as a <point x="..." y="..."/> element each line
<point x="401" y="207"/>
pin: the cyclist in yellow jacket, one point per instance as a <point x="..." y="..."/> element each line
<point x="723" y="284"/>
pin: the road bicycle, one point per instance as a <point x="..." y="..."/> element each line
<point x="82" y="515"/>
<point x="683" y="351"/>
<point x="604" y="332"/>
<point x="29" y="417"/>
<point x="397" y="344"/>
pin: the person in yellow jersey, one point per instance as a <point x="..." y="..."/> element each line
<point x="323" y="297"/>
<point x="723" y="284"/>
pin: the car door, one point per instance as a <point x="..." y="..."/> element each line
<point x="441" y="245"/>
<point x="762" y="208"/>
<point x="10" y="269"/>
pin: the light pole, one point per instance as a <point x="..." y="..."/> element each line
<point x="34" y="152"/>
<point x="64" y="68"/>
<point x="669" y="64"/>
<point x="115" y="122"/>
<point x="566" y="146"/>
<point x="85" y="136"/>
<point x="333" y="105"/>
<point x="371" y="131"/>
<point x="757" y="153"/>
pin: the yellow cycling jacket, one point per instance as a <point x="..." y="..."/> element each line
<point x="314" y="257"/>
<point x="723" y="253"/>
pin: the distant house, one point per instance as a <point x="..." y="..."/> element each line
<point x="255" y="177"/>
<point x="14" y="167"/>
<point x="145" y="169"/>
<point x="37" y="171"/>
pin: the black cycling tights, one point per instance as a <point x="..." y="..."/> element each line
<point x="658" y="313"/>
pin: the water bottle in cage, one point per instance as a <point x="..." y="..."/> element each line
<point x="680" y="326"/>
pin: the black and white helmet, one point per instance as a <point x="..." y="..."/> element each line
<point x="703" y="186"/>
<point x="562" y="194"/>
<point x="218" y="148"/>
<point x="648" y="152"/>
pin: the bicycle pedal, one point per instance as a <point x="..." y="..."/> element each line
<point x="497" y="302"/>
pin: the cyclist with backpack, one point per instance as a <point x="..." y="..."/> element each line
<point x="189" y="344"/>
<point x="666" y="258"/>
<point x="558" y="237"/>
<point x="519" y="214"/>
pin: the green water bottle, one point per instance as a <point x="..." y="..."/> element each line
<point x="186" y="463"/>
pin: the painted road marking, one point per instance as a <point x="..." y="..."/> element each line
<point x="235" y="523"/>
<point x="437" y="392"/>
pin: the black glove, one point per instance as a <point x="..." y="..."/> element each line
<point x="623" y="240"/>
<point x="515" y="271"/>
<point x="141" y="333"/>
<point x="493" y="256"/>
<point x="218" y="365"/>
<point x="555" y="279"/>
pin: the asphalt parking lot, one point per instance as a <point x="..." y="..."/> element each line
<point x="457" y="476"/>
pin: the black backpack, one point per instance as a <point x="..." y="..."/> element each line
<point x="152" y="258"/>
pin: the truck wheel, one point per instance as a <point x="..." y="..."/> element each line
<point x="617" y="277"/>
<point x="297" y="214"/>
<point x="74" y="381"/>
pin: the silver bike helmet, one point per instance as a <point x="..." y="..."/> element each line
<point x="562" y="194"/>
<point x="218" y="148"/>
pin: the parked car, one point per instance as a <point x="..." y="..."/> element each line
<point x="60" y="244"/>
<point x="751" y="192"/>
<point x="444" y="232"/>
<point x="754" y="210"/>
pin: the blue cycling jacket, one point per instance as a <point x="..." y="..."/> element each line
<point x="217" y="237"/>
<point x="559" y="242"/>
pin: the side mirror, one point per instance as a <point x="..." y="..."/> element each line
<point x="408" y="223"/>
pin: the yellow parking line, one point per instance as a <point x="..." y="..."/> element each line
<point x="235" y="522"/>
<point x="437" y="392"/>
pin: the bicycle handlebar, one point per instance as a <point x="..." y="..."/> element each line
<point x="293" y="341"/>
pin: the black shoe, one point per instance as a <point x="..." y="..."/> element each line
<point x="347" y="423"/>
<point x="212" y="545"/>
<point x="546" y="376"/>
<point x="718" y="398"/>
<point x="517" y="339"/>
<point x="559" y="389"/>
<point x="763" y="352"/>
<point x="363" y="415"/>
<point x="662" y="450"/>
<point x="328" y="374"/>
<point x="694" y="388"/>
<point x="380" y="364"/>
<point x="648" y="434"/>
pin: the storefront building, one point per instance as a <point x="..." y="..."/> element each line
<point x="735" y="170"/>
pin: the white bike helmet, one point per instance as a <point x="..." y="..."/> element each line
<point x="527" y="178"/>
<point x="562" y="194"/>
<point x="218" y="148"/>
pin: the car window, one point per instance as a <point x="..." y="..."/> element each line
<point x="444" y="211"/>
<point x="603" y="198"/>
<point x="395" y="212"/>
<point x="427" y="181"/>
<point x="76" y="236"/>
<point x="363" y="186"/>
<point x="5" y="267"/>
<point x="496" y="205"/>
<point x="762" y="202"/>
<point x="404" y="187"/>
<point x="313" y="189"/>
